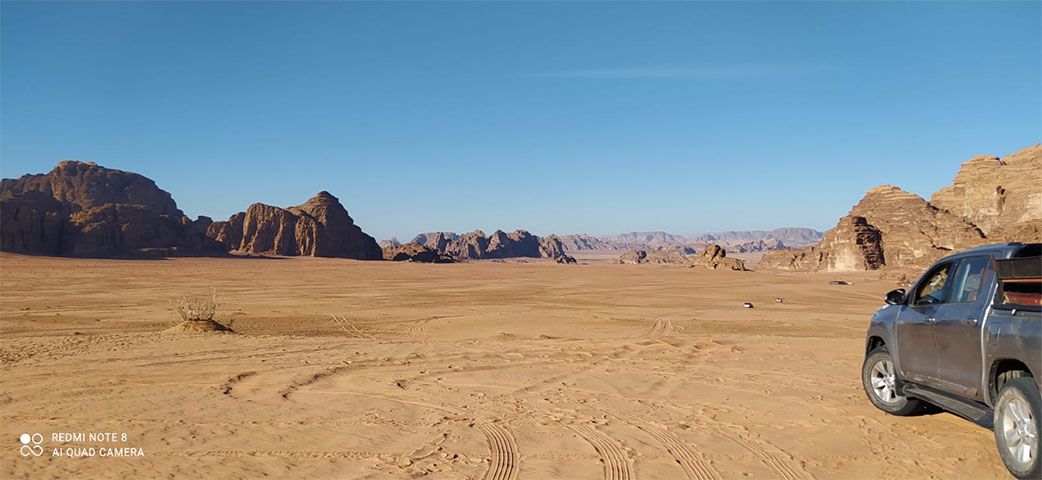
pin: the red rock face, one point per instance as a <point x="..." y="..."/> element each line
<point x="991" y="200"/>
<point x="87" y="185"/>
<point x="996" y="193"/>
<point x="321" y="227"/>
<point x="82" y="209"/>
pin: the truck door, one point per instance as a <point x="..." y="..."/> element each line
<point x="917" y="349"/>
<point x="958" y="328"/>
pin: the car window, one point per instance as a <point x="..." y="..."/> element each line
<point x="969" y="278"/>
<point x="933" y="289"/>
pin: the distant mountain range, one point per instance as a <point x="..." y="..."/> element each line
<point x="735" y="241"/>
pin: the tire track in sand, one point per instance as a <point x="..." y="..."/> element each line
<point x="505" y="457"/>
<point x="617" y="465"/>
<point x="781" y="467"/>
<point x="695" y="468"/>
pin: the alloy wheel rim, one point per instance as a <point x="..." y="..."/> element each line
<point x="1018" y="429"/>
<point x="884" y="381"/>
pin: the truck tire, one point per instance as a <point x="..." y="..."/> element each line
<point x="879" y="377"/>
<point x="1018" y="426"/>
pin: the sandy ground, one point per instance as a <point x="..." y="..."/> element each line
<point x="480" y="370"/>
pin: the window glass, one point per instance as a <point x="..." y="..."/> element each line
<point x="969" y="277"/>
<point x="932" y="291"/>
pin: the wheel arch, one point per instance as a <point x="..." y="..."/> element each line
<point x="874" y="342"/>
<point x="998" y="368"/>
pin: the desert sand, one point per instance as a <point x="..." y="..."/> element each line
<point x="478" y="370"/>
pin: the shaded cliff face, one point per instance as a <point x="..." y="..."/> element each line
<point x="320" y="227"/>
<point x="414" y="252"/>
<point x="991" y="200"/>
<point x="83" y="209"/>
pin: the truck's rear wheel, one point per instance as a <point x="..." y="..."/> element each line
<point x="879" y="377"/>
<point x="1018" y="424"/>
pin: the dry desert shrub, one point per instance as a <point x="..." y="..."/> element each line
<point x="197" y="314"/>
<point x="196" y="309"/>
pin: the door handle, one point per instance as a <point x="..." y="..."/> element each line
<point x="929" y="320"/>
<point x="970" y="321"/>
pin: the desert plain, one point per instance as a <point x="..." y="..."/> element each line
<point x="478" y="370"/>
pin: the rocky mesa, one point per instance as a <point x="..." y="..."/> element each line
<point x="990" y="200"/>
<point x="86" y="210"/>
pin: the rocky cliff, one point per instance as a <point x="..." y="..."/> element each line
<point x="435" y="240"/>
<point x="996" y="193"/>
<point x="83" y="209"/>
<point x="320" y="227"/>
<point x="477" y="245"/>
<point x="991" y="200"/>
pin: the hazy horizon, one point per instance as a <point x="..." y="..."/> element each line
<point x="599" y="118"/>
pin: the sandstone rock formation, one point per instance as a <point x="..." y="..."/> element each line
<point x="414" y="252"/>
<point x="83" y="209"/>
<point x="715" y="257"/>
<point x="477" y="245"/>
<point x="991" y="200"/>
<point x="435" y="240"/>
<point x="996" y="193"/>
<point x="654" y="257"/>
<point x="320" y="227"/>
<point x="634" y="257"/>
<point x="228" y="233"/>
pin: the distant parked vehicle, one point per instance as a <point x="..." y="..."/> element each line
<point x="967" y="338"/>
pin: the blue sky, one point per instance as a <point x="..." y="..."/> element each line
<point x="555" y="117"/>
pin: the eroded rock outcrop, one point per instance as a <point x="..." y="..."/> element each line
<point x="715" y="257"/>
<point x="320" y="227"/>
<point x="435" y="240"/>
<point x="654" y="257"/>
<point x="991" y="200"/>
<point x="995" y="192"/>
<point x="414" y="252"/>
<point x="83" y="209"/>
<point x="477" y="245"/>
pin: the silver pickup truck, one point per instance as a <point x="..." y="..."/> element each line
<point x="967" y="338"/>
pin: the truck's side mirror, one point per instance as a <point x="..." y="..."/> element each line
<point x="895" y="297"/>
